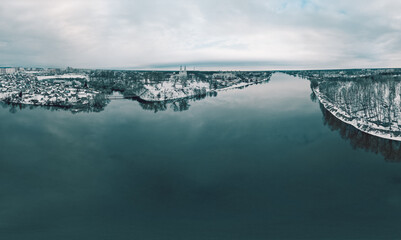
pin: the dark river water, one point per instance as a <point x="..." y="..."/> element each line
<point x="256" y="163"/>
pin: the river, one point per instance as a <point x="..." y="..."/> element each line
<point x="261" y="162"/>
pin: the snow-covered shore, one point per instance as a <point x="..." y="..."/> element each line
<point x="236" y="86"/>
<point x="167" y="91"/>
<point x="359" y="123"/>
<point x="76" y="87"/>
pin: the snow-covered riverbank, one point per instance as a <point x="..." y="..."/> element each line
<point x="391" y="130"/>
<point x="168" y="91"/>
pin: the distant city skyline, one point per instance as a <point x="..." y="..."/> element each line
<point x="215" y="35"/>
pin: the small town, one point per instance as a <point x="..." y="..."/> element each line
<point x="25" y="87"/>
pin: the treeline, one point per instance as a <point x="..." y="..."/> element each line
<point x="346" y="75"/>
<point x="130" y="82"/>
<point x="97" y="104"/>
<point x="376" y="101"/>
<point x="126" y="82"/>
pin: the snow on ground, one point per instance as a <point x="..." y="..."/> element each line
<point x="64" y="76"/>
<point x="238" y="85"/>
<point x="5" y="95"/>
<point x="170" y="90"/>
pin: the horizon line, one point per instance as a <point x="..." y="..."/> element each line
<point x="203" y="69"/>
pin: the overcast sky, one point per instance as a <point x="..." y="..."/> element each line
<point x="233" y="34"/>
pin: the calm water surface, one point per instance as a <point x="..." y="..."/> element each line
<point x="256" y="163"/>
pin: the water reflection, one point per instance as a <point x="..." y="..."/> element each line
<point x="177" y="105"/>
<point x="390" y="149"/>
<point x="14" y="108"/>
<point x="370" y="102"/>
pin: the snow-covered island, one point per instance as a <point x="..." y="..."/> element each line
<point x="369" y="101"/>
<point x="182" y="85"/>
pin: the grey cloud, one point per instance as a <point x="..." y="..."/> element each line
<point x="271" y="34"/>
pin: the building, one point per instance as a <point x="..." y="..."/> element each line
<point x="183" y="72"/>
<point x="10" y="70"/>
<point x="7" y="70"/>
